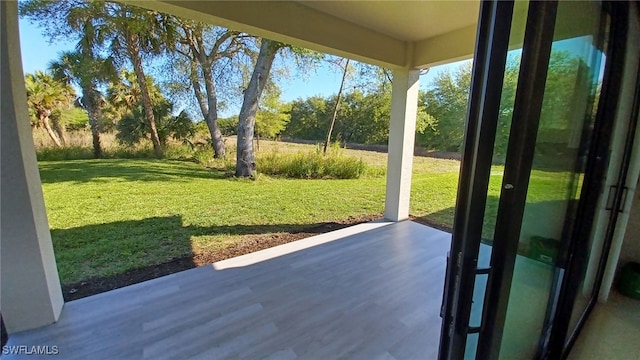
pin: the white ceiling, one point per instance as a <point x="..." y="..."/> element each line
<point x="403" y="20"/>
<point x="393" y="34"/>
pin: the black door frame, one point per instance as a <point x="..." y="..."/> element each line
<point x="492" y="44"/>
<point x="488" y="71"/>
<point x="536" y="52"/>
<point x="561" y="341"/>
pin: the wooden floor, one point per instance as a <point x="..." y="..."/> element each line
<point x="372" y="291"/>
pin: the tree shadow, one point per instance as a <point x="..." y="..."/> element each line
<point x="102" y="257"/>
<point x="124" y="169"/>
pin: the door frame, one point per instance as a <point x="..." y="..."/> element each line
<point x="492" y="45"/>
<point x="530" y="91"/>
<point x="561" y="340"/>
<point x="488" y="70"/>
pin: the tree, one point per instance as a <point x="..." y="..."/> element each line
<point x="304" y="59"/>
<point x="308" y="118"/>
<point x="336" y="106"/>
<point x="87" y="71"/>
<point x="45" y="98"/>
<point x="204" y="47"/>
<point x="128" y="111"/>
<point x="125" y="93"/>
<point x="84" y="68"/>
<point x="74" y="118"/>
<point x="138" y="32"/>
<point x="132" y="128"/>
<point x="272" y="116"/>
<point x="131" y="33"/>
<point x="245" y="158"/>
<point x="446" y="101"/>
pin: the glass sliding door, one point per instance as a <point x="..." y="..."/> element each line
<point x="539" y="126"/>
<point x="560" y="152"/>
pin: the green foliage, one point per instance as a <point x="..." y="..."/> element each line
<point x="311" y="165"/>
<point x="309" y="119"/>
<point x="362" y="118"/>
<point x="46" y="96"/>
<point x="228" y="126"/>
<point x="74" y="119"/>
<point x="64" y="153"/>
<point x="139" y="151"/>
<point x="446" y="103"/>
<point x="273" y="115"/>
<point x="125" y="94"/>
<point x="447" y="99"/>
<point x="179" y="127"/>
<point x="133" y="128"/>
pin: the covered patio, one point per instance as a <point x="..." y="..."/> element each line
<point x="402" y="36"/>
<point x="371" y="291"/>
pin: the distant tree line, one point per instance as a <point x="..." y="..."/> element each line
<point x="364" y="115"/>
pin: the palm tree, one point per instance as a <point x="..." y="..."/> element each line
<point x="46" y="97"/>
<point x="87" y="71"/>
<point x="84" y="68"/>
<point x="137" y="32"/>
<point x="125" y="93"/>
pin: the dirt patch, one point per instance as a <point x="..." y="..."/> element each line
<point x="435" y="225"/>
<point x="250" y="244"/>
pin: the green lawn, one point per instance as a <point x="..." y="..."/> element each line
<point x="109" y="216"/>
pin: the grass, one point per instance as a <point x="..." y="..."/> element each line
<point x="111" y="215"/>
<point x="108" y="216"/>
<point x="288" y="160"/>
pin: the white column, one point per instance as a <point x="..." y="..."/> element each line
<point x="30" y="294"/>
<point x="404" y="108"/>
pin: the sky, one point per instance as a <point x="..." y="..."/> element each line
<point x="37" y="53"/>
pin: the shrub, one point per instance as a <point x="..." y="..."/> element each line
<point x="140" y="151"/>
<point x="311" y="165"/>
<point x="64" y="153"/>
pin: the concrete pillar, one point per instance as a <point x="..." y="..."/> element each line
<point x="30" y="293"/>
<point x="404" y="109"/>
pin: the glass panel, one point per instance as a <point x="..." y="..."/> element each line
<point x="512" y="68"/>
<point x="562" y="142"/>
<point x="594" y="243"/>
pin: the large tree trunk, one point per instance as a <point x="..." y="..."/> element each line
<point x="91" y="104"/>
<point x="245" y="164"/>
<point x="52" y="134"/>
<point x="57" y="127"/>
<point x="134" y="54"/>
<point x="209" y="111"/>
<point x="212" y="114"/>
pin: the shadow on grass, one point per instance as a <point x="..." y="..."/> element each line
<point x="125" y="169"/>
<point x="101" y="257"/>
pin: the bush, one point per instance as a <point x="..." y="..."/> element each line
<point x="130" y="152"/>
<point x="311" y="165"/>
<point x="64" y="153"/>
